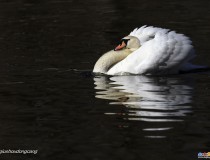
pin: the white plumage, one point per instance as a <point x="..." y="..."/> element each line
<point x="161" y="51"/>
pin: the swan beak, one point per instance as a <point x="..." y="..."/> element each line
<point x="120" y="46"/>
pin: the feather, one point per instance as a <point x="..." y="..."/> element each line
<point x="162" y="52"/>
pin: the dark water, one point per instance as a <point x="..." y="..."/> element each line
<point x="48" y="103"/>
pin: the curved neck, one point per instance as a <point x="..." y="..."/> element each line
<point x="109" y="59"/>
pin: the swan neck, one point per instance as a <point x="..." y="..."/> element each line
<point x="109" y="59"/>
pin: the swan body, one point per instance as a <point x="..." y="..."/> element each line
<point x="148" y="50"/>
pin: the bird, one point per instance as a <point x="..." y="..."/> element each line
<point x="149" y="50"/>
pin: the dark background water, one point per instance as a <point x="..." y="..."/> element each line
<point x="48" y="103"/>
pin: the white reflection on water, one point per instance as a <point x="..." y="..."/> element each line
<point x="149" y="99"/>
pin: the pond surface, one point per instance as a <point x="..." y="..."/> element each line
<point x="49" y="101"/>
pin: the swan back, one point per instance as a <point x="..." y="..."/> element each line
<point x="162" y="52"/>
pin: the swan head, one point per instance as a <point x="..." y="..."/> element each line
<point x="129" y="42"/>
<point x="126" y="46"/>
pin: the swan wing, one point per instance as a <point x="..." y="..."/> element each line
<point x="161" y="52"/>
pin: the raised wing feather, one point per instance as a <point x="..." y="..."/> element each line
<point x="161" y="52"/>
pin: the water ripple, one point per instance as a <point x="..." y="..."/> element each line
<point x="147" y="99"/>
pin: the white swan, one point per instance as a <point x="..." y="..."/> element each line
<point x="148" y="50"/>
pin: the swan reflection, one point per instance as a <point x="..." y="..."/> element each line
<point x="148" y="99"/>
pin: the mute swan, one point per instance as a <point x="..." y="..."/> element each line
<point x="148" y="50"/>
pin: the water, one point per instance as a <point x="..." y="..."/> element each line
<point x="51" y="103"/>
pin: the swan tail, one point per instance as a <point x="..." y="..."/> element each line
<point x="191" y="68"/>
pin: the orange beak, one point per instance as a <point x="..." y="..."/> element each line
<point x="120" y="46"/>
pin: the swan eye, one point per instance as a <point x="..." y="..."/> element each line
<point x="125" y="41"/>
